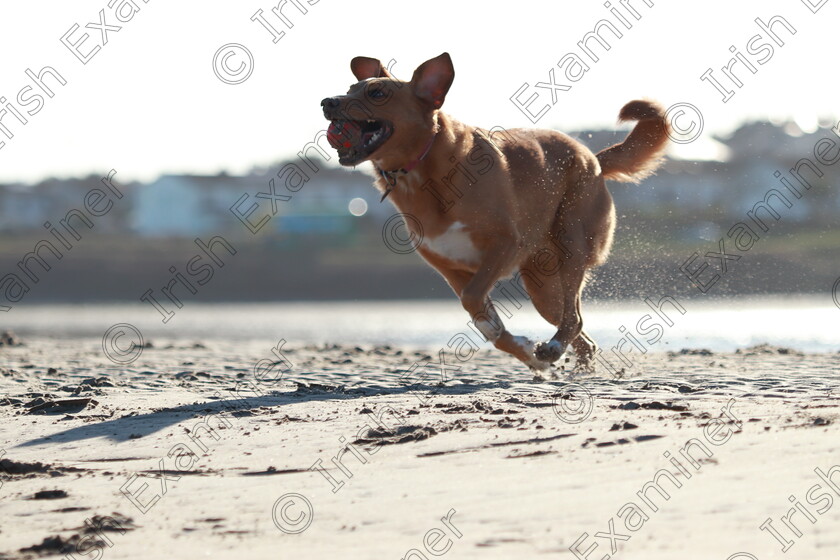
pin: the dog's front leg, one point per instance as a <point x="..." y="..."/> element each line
<point x="476" y="301"/>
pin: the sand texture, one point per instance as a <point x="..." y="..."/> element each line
<point x="374" y="452"/>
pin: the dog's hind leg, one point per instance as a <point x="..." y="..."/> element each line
<point x="556" y="297"/>
<point x="584" y="348"/>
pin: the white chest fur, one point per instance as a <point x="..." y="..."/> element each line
<point x="453" y="244"/>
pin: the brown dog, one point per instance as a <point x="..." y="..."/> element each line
<point x="527" y="203"/>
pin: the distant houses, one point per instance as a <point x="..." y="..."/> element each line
<point x="179" y="206"/>
<point x="760" y="155"/>
<point x="196" y="205"/>
<point x="27" y="208"/>
<point x="191" y="205"/>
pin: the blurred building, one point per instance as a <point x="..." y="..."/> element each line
<point x="196" y="205"/>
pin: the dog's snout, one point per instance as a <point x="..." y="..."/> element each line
<point x="329" y="103"/>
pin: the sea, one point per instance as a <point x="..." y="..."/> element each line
<point x="806" y="323"/>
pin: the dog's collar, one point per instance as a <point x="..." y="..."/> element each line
<point x="391" y="176"/>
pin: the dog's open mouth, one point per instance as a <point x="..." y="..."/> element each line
<point x="356" y="140"/>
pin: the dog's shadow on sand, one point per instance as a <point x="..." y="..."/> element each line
<point x="237" y="410"/>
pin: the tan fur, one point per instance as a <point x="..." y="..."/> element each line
<point x="641" y="152"/>
<point x="543" y="195"/>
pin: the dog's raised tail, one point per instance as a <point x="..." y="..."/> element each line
<point x="641" y="152"/>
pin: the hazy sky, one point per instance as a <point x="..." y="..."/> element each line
<point x="148" y="102"/>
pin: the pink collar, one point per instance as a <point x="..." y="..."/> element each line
<point x="391" y="176"/>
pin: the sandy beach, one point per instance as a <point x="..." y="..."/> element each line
<point x="206" y="449"/>
<point x="252" y="276"/>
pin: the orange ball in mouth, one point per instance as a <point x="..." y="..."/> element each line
<point x="344" y="134"/>
<point x="356" y="140"/>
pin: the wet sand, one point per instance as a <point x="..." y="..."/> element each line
<point x="363" y="452"/>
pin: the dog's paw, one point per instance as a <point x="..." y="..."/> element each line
<point x="539" y="369"/>
<point x="548" y="351"/>
<point x="537" y="366"/>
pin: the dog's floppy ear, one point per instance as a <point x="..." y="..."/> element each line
<point x="364" y="68"/>
<point x="433" y="78"/>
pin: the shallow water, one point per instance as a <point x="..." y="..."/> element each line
<point x="805" y="323"/>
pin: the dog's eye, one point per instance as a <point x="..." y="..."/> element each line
<point x="377" y="93"/>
